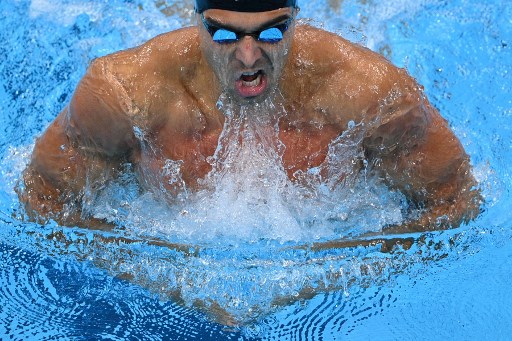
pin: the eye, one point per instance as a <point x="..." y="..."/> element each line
<point x="224" y="36"/>
<point x="271" y="35"/>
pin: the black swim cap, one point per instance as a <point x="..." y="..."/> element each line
<point x="244" y="5"/>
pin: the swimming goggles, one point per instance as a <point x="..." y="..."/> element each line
<point x="270" y="35"/>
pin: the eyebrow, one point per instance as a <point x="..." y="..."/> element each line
<point x="272" y="22"/>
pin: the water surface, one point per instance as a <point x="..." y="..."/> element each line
<point x="70" y="283"/>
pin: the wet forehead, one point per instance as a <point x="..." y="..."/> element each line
<point x="243" y="21"/>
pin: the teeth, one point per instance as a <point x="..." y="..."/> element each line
<point x="255" y="82"/>
<point x="249" y="73"/>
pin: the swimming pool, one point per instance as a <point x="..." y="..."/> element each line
<point x="68" y="283"/>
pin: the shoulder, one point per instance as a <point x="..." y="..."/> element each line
<point x="317" y="45"/>
<point x="166" y="53"/>
<point x="330" y="53"/>
<point x="156" y="68"/>
<point x="344" y="74"/>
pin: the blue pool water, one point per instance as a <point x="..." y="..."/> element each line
<point x="70" y="283"/>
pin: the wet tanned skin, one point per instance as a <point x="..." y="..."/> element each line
<point x="168" y="89"/>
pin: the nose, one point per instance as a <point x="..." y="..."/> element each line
<point x="248" y="51"/>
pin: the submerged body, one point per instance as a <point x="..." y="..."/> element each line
<point x="158" y="102"/>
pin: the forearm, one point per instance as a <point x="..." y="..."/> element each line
<point x="39" y="197"/>
<point x="441" y="214"/>
<point x="424" y="160"/>
<point x="44" y="198"/>
<point x="53" y="178"/>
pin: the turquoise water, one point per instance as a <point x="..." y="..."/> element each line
<point x="69" y="283"/>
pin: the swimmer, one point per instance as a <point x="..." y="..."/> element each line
<point x="164" y="94"/>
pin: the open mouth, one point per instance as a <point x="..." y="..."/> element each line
<point x="251" y="79"/>
<point x="251" y="84"/>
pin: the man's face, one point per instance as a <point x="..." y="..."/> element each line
<point x="248" y="68"/>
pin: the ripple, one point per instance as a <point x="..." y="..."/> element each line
<point x="32" y="299"/>
<point x="237" y="284"/>
<point x="327" y="316"/>
<point x="443" y="281"/>
<point x="43" y="298"/>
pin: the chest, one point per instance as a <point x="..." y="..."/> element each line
<point x="185" y="148"/>
<point x="303" y="149"/>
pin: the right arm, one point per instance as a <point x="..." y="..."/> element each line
<point x="88" y="139"/>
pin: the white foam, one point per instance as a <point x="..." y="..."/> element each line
<point x="248" y="195"/>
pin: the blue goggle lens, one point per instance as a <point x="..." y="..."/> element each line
<point x="270" y="35"/>
<point x="225" y="36"/>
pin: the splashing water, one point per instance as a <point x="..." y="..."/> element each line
<point x="248" y="195"/>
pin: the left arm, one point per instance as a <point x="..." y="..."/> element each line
<point x="406" y="141"/>
<point x="416" y="152"/>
